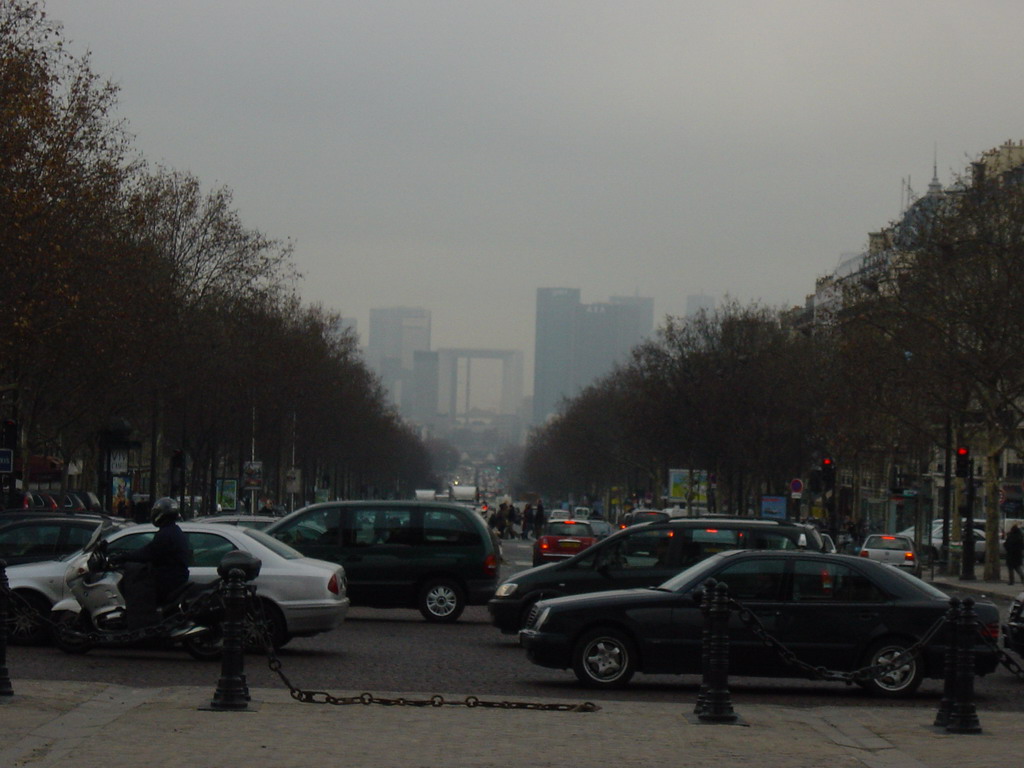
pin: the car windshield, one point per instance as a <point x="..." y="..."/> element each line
<point x="276" y="546"/>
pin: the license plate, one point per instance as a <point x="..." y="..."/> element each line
<point x="570" y="545"/>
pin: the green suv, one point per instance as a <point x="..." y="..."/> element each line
<point x="436" y="557"/>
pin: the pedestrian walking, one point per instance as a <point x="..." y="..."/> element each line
<point x="527" y="520"/>
<point x="1014" y="546"/>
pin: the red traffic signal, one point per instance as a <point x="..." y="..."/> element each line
<point x="963" y="461"/>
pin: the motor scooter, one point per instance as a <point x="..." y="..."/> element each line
<point x="97" y="613"/>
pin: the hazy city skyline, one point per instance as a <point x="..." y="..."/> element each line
<point x="457" y="156"/>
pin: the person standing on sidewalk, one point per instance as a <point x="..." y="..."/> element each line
<point x="1014" y="546"/>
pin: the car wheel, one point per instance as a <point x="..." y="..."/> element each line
<point x="442" y="600"/>
<point x="28" y="619"/>
<point x="604" y="658"/>
<point x="69" y="622"/>
<point x="262" y="624"/>
<point x="898" y="681"/>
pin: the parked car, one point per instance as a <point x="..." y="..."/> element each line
<point x="433" y="556"/>
<point x="561" y="539"/>
<point x="45" y="537"/>
<point x="37" y="501"/>
<point x="892" y="550"/>
<point x="931" y="546"/>
<point x="301" y="596"/>
<point x="246" y="521"/>
<point x="82" y="501"/>
<point x="641" y="556"/>
<point x="838" y="612"/>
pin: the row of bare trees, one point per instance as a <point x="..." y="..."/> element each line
<point x="132" y="296"/>
<point x="921" y="348"/>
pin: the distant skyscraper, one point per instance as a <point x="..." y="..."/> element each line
<point x="396" y="335"/>
<point x="579" y="343"/>
<point x="554" y="341"/>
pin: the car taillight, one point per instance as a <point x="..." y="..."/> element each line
<point x="989" y="631"/>
<point x="334" y="586"/>
<point x="544" y="542"/>
<point x="908" y="556"/>
<point x="491" y="565"/>
<point x="863" y="553"/>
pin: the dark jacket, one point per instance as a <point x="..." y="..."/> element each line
<point x="168" y="555"/>
<point x="1014" y="546"/>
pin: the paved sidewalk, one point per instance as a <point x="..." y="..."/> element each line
<point x="92" y="725"/>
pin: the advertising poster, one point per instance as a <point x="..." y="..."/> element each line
<point x="227" y="494"/>
<point x="773" y="507"/>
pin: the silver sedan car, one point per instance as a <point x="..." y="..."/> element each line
<point x="301" y="596"/>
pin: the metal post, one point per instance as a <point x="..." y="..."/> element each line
<point x="5" y="602"/>
<point x="705" y="646"/>
<point x="718" y="702"/>
<point x="967" y="535"/>
<point x="963" y="717"/>
<point x="232" y="690"/>
<point x="952" y="631"/>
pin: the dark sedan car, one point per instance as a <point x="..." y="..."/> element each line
<point x="834" y="611"/>
<point x="1013" y="632"/>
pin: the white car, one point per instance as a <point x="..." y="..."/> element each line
<point x="932" y="548"/>
<point x="301" y="595"/>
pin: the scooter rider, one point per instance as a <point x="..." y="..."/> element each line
<point x="167" y="553"/>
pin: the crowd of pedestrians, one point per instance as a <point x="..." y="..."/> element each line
<point x="509" y="522"/>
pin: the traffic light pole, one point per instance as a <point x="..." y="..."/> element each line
<point x="967" y="555"/>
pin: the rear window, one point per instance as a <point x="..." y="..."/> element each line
<point x="887" y="542"/>
<point x="568" y="529"/>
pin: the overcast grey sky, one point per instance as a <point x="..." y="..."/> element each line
<point x="458" y="155"/>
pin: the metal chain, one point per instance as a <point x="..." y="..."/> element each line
<point x="864" y="674"/>
<point x="323" y="697"/>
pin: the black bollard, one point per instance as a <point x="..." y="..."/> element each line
<point x="952" y="632"/>
<point x="705" y="645"/>
<point x="5" y="607"/>
<point x="963" y="717"/>
<point x="717" y="701"/>
<point x="232" y="690"/>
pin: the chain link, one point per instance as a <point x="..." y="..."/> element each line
<point x="323" y="697"/>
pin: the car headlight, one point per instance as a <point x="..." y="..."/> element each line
<point x="542" y="618"/>
<point x="506" y="590"/>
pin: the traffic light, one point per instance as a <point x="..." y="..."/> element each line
<point x="963" y="461"/>
<point x="828" y="473"/>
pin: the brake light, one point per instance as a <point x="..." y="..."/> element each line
<point x="544" y="542"/>
<point x="908" y="556"/>
<point x="864" y="553"/>
<point x="491" y="565"/>
<point x="888" y="538"/>
<point x="333" y="586"/>
<point x="710" y="530"/>
<point x="989" y="631"/>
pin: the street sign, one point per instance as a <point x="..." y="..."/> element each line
<point x="796" y="485"/>
<point x="6" y="461"/>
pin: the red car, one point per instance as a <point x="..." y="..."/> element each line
<point x="562" y="539"/>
